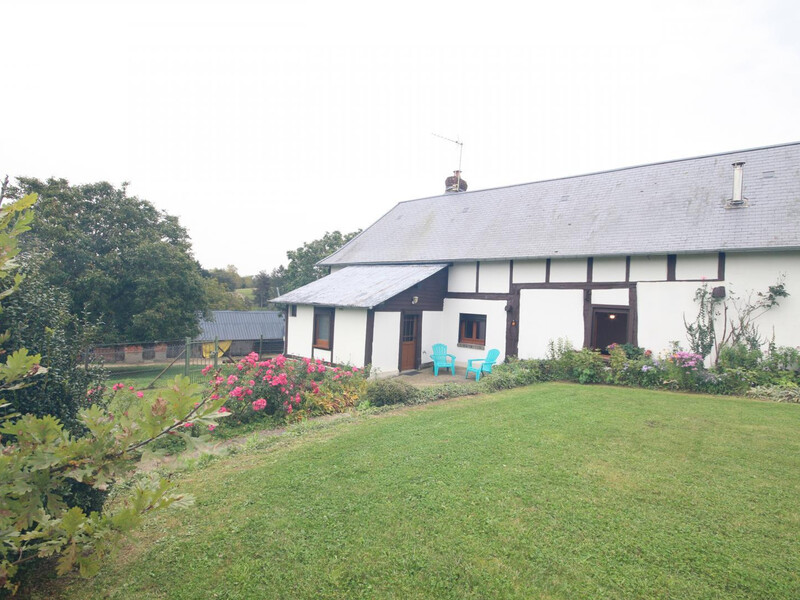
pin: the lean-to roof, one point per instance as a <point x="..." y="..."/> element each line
<point x="360" y="286"/>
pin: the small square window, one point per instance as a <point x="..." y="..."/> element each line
<point x="472" y="329"/>
<point x="323" y="328"/>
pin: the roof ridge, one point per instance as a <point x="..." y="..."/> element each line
<point x="603" y="172"/>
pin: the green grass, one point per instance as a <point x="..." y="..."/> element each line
<point x="551" y="491"/>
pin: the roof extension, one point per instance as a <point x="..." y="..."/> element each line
<point x="361" y="286"/>
<point x="665" y="208"/>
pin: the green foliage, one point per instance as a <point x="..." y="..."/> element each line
<point x="228" y="277"/>
<point x="738" y="318"/>
<point x="739" y="356"/>
<point x="383" y="392"/>
<point x="122" y="261"/>
<point x="37" y="319"/>
<point x="219" y="297"/>
<point x="701" y="333"/>
<point x="262" y="282"/>
<point x="588" y="366"/>
<point x="41" y="462"/>
<point x="513" y="373"/>
<point x="787" y="392"/>
<point x="302" y="268"/>
<point x="40" y="458"/>
<point x="559" y="359"/>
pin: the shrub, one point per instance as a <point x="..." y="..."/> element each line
<point x="739" y="356"/>
<point x="588" y="366"/>
<point x="559" y="359"/>
<point x="513" y="373"/>
<point x="285" y="389"/>
<point x="382" y="392"/>
<point x="777" y="393"/>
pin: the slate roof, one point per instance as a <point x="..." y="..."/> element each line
<point x="242" y="325"/>
<point x="360" y="286"/>
<point x="665" y="208"/>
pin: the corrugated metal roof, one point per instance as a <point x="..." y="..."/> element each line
<point x="242" y="325"/>
<point x="361" y="286"/>
<point x="666" y="208"/>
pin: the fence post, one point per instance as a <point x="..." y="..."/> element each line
<point x="216" y="353"/>
<point x="188" y="354"/>
<point x="260" y="345"/>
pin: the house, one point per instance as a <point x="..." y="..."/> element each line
<point x="614" y="256"/>
<point x="240" y="332"/>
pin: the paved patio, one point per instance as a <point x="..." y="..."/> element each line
<point x="425" y="377"/>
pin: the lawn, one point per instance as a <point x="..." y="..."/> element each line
<point x="551" y="491"/>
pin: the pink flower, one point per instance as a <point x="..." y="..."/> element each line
<point x="260" y="404"/>
<point x="131" y="388"/>
<point x="232" y="379"/>
<point x="207" y="369"/>
<point x="187" y="424"/>
<point x="212" y="427"/>
<point x="251" y="382"/>
<point x="215" y="396"/>
<point x="140" y="394"/>
<point x="223" y="410"/>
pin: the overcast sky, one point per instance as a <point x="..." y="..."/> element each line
<point x="262" y="125"/>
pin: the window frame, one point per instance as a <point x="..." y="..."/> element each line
<point x="476" y="320"/>
<point x="317" y="341"/>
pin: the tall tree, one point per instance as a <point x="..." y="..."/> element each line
<point x="262" y="283"/>
<point x="302" y="268"/>
<point x="121" y="260"/>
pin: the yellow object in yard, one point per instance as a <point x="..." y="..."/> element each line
<point x="208" y="348"/>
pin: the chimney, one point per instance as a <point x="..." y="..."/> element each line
<point x="738" y="183"/>
<point x="455" y="184"/>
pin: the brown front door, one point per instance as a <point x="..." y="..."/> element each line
<point x="409" y="334"/>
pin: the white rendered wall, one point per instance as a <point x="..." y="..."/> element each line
<point x="546" y="315"/>
<point x="300" y="329"/>
<point x="431" y="333"/>
<point x="350" y="336"/>
<point x="530" y="271"/>
<point x="495" y="327"/>
<point x="461" y="277"/>
<point x="567" y="270"/>
<point x="696" y="266"/>
<point x="746" y="272"/>
<point x="386" y="343"/>
<point x="661" y="307"/>
<point x="649" y="268"/>
<point x="335" y="268"/>
<point x="608" y="269"/>
<point x="616" y="297"/>
<point x="494" y="277"/>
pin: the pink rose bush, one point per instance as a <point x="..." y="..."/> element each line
<point x="285" y="388"/>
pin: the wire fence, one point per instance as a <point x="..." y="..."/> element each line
<point x="148" y="364"/>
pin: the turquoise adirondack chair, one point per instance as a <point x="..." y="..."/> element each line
<point x="485" y="366"/>
<point x="442" y="359"/>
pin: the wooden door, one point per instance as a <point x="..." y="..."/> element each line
<point x="409" y="334"/>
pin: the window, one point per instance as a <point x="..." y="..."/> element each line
<point x="323" y="328"/>
<point x="472" y="329"/>
<point x="293" y="310"/>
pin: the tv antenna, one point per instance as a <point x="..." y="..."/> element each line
<point x="455" y="141"/>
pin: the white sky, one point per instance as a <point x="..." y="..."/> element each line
<point x="264" y="124"/>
